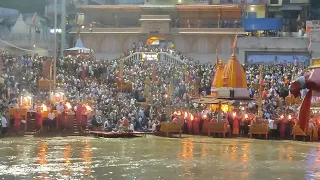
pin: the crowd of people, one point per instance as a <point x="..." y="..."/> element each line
<point x="117" y="88"/>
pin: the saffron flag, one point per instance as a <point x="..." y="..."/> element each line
<point x="235" y="41"/>
<point x="34" y="19"/>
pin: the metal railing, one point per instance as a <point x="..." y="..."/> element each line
<point x="162" y="57"/>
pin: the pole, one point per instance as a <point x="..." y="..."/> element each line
<point x="63" y="27"/>
<point x="260" y="95"/>
<point x="55" y="43"/>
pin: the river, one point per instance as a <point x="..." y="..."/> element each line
<point x="148" y="158"/>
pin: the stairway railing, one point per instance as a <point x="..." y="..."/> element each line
<point x="162" y="56"/>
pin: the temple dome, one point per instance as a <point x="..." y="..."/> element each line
<point x="234" y="75"/>
<point x="20" y="30"/>
<point x="217" y="81"/>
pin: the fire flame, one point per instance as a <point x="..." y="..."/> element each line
<point x="44" y="107"/>
<point x="68" y="105"/>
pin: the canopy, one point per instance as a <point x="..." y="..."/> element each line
<point x="79" y="47"/>
<point x="261" y="24"/>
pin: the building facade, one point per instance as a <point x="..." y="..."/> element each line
<point x="196" y="30"/>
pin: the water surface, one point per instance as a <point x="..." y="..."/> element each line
<point x="192" y="157"/>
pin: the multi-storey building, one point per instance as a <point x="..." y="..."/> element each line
<point x="196" y="27"/>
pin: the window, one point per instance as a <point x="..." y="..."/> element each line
<point x="274" y="1"/>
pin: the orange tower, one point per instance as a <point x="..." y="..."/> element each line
<point x="234" y="75"/>
<point x="217" y="81"/>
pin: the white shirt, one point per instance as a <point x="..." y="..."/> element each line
<point x="4" y="122"/>
<point x="272" y="125"/>
<point x="131" y="127"/>
<point x="51" y="116"/>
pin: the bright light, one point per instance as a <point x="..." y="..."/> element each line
<point x="252" y="8"/>
<point x="289" y="117"/>
<point x="165" y="96"/>
<point x="88" y="108"/>
<point x="68" y="105"/>
<point x="34" y="45"/>
<point x="82" y="27"/>
<point x="55" y="30"/>
<point x="44" y="107"/>
<point x="246" y="116"/>
<point x="185" y="114"/>
<point x="234" y="114"/>
<point x="204" y="116"/>
<point x="282" y="116"/>
<point x="191" y="117"/>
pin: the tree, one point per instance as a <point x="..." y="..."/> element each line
<point x="25" y="6"/>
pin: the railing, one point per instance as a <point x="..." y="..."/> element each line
<point x="162" y="56"/>
<point x="242" y="2"/>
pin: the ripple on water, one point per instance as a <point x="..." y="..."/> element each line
<point x="157" y="158"/>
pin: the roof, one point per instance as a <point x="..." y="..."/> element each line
<point x="163" y="7"/>
<point x="291" y="7"/>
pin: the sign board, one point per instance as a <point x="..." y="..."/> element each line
<point x="154" y="27"/>
<point x="313" y="25"/>
<point x="150" y="56"/>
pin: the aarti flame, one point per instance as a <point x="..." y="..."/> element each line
<point x="68" y="105"/>
<point x="44" y="107"/>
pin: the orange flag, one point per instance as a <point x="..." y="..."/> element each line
<point x="235" y="41"/>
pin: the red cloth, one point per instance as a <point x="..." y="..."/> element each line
<point x="39" y="120"/>
<point x="236" y="125"/>
<point x="17" y="122"/>
<point x="84" y="120"/>
<point x="79" y="113"/>
<point x="190" y="124"/>
<point x="196" y="123"/>
<point x="304" y="113"/>
<point x="62" y="120"/>
<point x="205" y="126"/>
<point x="282" y="128"/>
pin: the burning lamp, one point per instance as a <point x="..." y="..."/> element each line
<point x="246" y="116"/>
<point x="25" y="100"/>
<point x="185" y="114"/>
<point x="44" y="108"/>
<point x="88" y="108"/>
<point x="68" y="105"/>
<point x="204" y="116"/>
<point x="225" y="108"/>
<point x="234" y="114"/>
<point x="282" y="116"/>
<point x="289" y="117"/>
<point x="191" y="117"/>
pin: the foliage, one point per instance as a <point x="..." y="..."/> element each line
<point x="25" y="6"/>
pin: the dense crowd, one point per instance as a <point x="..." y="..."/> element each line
<point x="99" y="81"/>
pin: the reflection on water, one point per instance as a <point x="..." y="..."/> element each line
<point x="157" y="158"/>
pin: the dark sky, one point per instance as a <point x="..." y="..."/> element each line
<point x="25" y="6"/>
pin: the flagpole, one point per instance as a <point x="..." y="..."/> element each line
<point x="55" y="43"/>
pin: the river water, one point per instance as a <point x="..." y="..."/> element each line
<point x="192" y="157"/>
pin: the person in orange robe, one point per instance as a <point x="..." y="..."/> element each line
<point x="189" y="124"/>
<point x="39" y="121"/>
<point x="196" y="123"/>
<point x="236" y="121"/>
<point x="205" y="125"/>
<point x="79" y="113"/>
<point x="282" y="128"/>
<point x="17" y="122"/>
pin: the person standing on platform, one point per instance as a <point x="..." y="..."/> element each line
<point x="60" y="119"/>
<point x="236" y="120"/>
<point x="4" y="125"/>
<point x="51" y="120"/>
<point x="17" y="122"/>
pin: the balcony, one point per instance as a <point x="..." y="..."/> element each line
<point x="257" y="2"/>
